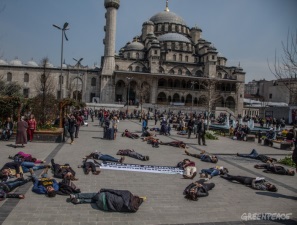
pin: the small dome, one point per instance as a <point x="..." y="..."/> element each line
<point x="148" y="23"/>
<point x="167" y="17"/>
<point x="49" y="65"/>
<point x="64" y="66"/>
<point x="16" y="62"/>
<point x="3" y="62"/>
<point x="173" y="37"/>
<point x="32" y="63"/>
<point x="137" y="46"/>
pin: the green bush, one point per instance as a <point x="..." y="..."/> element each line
<point x="288" y="161"/>
<point x="211" y="135"/>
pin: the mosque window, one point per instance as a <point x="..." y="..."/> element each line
<point x="156" y="52"/>
<point x="137" y="69"/>
<point x="93" y="82"/>
<point x="180" y="72"/>
<point x="180" y="46"/>
<point x="130" y="68"/>
<point x="137" y="55"/>
<point x="180" y="57"/>
<point x="117" y="67"/>
<point x="128" y="55"/>
<point x="174" y="57"/>
<point x="172" y="46"/>
<point x="188" y="47"/>
<point x="171" y="71"/>
<point x="187" y="58"/>
<point x="188" y="73"/>
<point x="169" y="28"/>
<point x="212" y="57"/>
<point x="26" y="77"/>
<point x="26" y="92"/>
<point x="176" y="28"/>
<point x="9" y="77"/>
<point x="163" y="27"/>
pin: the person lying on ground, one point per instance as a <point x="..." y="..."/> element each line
<point x="89" y="165"/>
<point x="110" y="200"/>
<point x="179" y="144"/>
<point x="132" y="154"/>
<point x="6" y="187"/>
<point x="271" y="168"/>
<point x="189" y="169"/>
<point x="104" y="157"/>
<point x="22" y="156"/>
<point x="198" y="189"/>
<point x="63" y="171"/>
<point x="203" y="157"/>
<point x="149" y="138"/>
<point x="16" y="169"/>
<point x="153" y="141"/>
<point x="183" y="132"/>
<point x="146" y="133"/>
<point x="258" y="183"/>
<point x="130" y="135"/>
<point x="67" y="187"/>
<point x="214" y="171"/>
<point x="44" y="184"/>
<point x="255" y="155"/>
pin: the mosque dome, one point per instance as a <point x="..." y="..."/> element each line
<point x="16" y="62"/>
<point x="64" y="66"/>
<point x="136" y="46"/>
<point x="148" y="23"/>
<point x="167" y="17"/>
<point x="49" y="65"/>
<point x="3" y="62"/>
<point x="173" y="37"/>
<point x="32" y="63"/>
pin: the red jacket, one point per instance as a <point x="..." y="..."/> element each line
<point x="32" y="124"/>
<point x="190" y="164"/>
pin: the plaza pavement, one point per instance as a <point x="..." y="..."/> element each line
<point x="165" y="203"/>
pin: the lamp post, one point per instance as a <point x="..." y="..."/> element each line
<point x="65" y="27"/>
<point x="78" y="64"/>
<point x="192" y="86"/>
<point x="128" y="78"/>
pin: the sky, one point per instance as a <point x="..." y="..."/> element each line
<point x="249" y="32"/>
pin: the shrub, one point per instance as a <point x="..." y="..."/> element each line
<point x="211" y="135"/>
<point x="288" y="161"/>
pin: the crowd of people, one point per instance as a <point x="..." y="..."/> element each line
<point x="12" y="173"/>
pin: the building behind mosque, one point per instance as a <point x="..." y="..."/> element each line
<point x="168" y="64"/>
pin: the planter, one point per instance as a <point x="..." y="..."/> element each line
<point x="53" y="136"/>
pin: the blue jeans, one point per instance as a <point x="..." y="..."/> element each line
<point x="7" y="134"/>
<point x="86" y="197"/>
<point x="108" y="158"/>
<point x="15" y="183"/>
<point x="211" y="171"/>
<point x="205" y="158"/>
<point x="254" y="154"/>
<point x="27" y="165"/>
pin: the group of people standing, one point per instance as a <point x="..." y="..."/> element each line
<point x="25" y="129"/>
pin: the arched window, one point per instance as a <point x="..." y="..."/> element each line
<point x="172" y="46"/>
<point x="180" y="57"/>
<point x="180" y="46"/>
<point x="143" y="69"/>
<point x="9" y="76"/>
<point x="187" y="58"/>
<point x="161" y="70"/>
<point x="93" y="82"/>
<point x="171" y="71"/>
<point x="219" y="75"/>
<point x="180" y="72"/>
<point x="188" y="47"/>
<point x="162" y="83"/>
<point x="137" y="55"/>
<point x="169" y="28"/>
<point x="199" y="73"/>
<point x="130" y="68"/>
<point x="137" y="69"/>
<point x="170" y="83"/>
<point x="117" y="67"/>
<point x="188" y="73"/>
<point x="174" y="57"/>
<point x="26" y="77"/>
<point x="176" y="28"/>
<point x="128" y="55"/>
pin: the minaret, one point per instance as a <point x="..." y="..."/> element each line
<point x="109" y="51"/>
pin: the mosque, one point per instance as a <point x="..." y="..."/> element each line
<point x="168" y="64"/>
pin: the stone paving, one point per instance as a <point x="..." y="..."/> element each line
<point x="165" y="203"/>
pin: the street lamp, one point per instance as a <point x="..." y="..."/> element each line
<point x="192" y="86"/>
<point x="128" y="78"/>
<point x="65" y="27"/>
<point x="78" y="64"/>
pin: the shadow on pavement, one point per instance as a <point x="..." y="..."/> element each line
<point x="277" y="195"/>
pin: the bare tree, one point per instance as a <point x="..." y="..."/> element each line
<point x="44" y="105"/>
<point x="284" y="67"/>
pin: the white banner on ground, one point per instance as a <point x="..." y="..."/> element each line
<point x="141" y="168"/>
